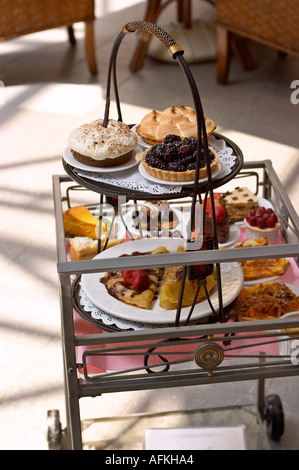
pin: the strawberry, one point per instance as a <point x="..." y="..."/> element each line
<point x="217" y="197"/>
<point x="219" y="213"/>
<point x="219" y="208"/>
<point x="138" y="279"/>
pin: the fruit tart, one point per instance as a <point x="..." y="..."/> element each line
<point x="262" y="223"/>
<point x="175" y="159"/>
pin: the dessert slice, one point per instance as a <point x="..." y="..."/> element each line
<point x="171" y="285"/>
<point x="221" y="216"/>
<point x="86" y="248"/>
<point x="155" y="215"/>
<point x="79" y="222"/>
<point x="239" y="202"/>
<point x="175" y="159"/>
<point x="135" y="287"/>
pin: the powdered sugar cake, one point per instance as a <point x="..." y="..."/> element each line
<point x="96" y="145"/>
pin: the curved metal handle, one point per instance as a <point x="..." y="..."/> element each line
<point x="155" y="30"/>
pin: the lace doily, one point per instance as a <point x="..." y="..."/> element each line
<point x="133" y="180"/>
<point x="108" y="320"/>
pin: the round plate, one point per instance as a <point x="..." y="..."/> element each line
<point x="260" y="281"/>
<point x="234" y="233"/>
<point x="141" y="142"/>
<point x="185" y="191"/>
<point x="182" y="224"/>
<point x="69" y="158"/>
<point x="231" y="277"/>
<point x="177" y="183"/>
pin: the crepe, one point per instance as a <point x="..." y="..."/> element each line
<point x="117" y="287"/>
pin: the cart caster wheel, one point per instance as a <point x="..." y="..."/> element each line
<point x="274" y="416"/>
<point x="54" y="430"/>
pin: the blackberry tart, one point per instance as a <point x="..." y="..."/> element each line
<point x="175" y="159"/>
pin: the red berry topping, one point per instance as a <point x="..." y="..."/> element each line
<point x="271" y="221"/>
<point x="262" y="218"/>
<point x="261" y="222"/>
<point x="138" y="279"/>
<point x="253" y="220"/>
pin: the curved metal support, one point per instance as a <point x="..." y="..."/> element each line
<point x="202" y="141"/>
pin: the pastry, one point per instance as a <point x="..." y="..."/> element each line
<point x="95" y="145"/>
<point x="135" y="287"/>
<point x="221" y="218"/>
<point x="175" y="159"/>
<point x="267" y="300"/>
<point x="82" y="248"/>
<point x="138" y="287"/>
<point x="171" y="285"/>
<point x="80" y="222"/>
<point x="155" y="126"/>
<point x="154" y="216"/>
<point x="239" y="202"/>
<point x="261" y="268"/>
<point x="262" y="223"/>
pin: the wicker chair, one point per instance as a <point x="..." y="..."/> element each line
<point x="153" y="10"/>
<point x="20" y="17"/>
<point x="273" y="23"/>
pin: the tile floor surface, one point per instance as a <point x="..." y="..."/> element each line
<point x="48" y="91"/>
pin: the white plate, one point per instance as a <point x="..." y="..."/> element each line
<point x="234" y="233"/>
<point x="182" y="224"/>
<point x="254" y="282"/>
<point x="231" y="277"/>
<point x="262" y="202"/>
<point x="141" y="142"/>
<point x="177" y="183"/>
<point x="69" y="158"/>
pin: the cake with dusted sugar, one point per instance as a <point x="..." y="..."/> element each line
<point x="95" y="145"/>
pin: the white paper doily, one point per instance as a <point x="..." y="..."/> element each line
<point x="133" y="180"/>
<point x="108" y="320"/>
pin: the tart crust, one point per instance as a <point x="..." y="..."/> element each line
<point x="179" y="176"/>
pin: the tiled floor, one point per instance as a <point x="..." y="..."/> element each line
<point x="48" y="91"/>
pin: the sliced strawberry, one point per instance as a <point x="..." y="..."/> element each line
<point x="138" y="279"/>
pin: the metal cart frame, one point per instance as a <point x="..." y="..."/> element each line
<point x="208" y="336"/>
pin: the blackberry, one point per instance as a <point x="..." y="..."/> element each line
<point x="171" y="138"/>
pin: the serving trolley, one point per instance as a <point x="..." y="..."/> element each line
<point x="122" y="354"/>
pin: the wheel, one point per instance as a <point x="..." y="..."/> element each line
<point x="54" y="430"/>
<point x="274" y="416"/>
